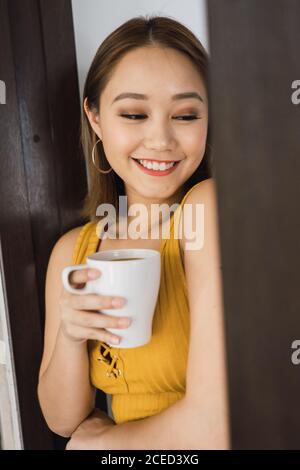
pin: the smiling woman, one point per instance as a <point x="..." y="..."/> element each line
<point x="145" y="123"/>
<point x="170" y="126"/>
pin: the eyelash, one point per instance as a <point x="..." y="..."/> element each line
<point x="128" y="116"/>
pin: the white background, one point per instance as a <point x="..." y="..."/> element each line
<point x="95" y="19"/>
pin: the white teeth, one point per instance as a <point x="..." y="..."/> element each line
<point x="156" y="165"/>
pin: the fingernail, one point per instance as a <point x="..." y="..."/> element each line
<point x="118" y="302"/>
<point x="115" y="340"/>
<point x="93" y="273"/>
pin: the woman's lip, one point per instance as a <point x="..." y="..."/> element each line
<point x="158" y="161"/>
<point x="155" y="172"/>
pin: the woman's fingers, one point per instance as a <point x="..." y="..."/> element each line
<point x="81" y="276"/>
<point x="82" y="334"/>
<point x="94" y="301"/>
<point x="99" y="320"/>
<point x="81" y="315"/>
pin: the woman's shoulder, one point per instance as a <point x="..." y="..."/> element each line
<point x="200" y="196"/>
<point x="206" y="186"/>
<point x="66" y="244"/>
<point x="190" y="198"/>
<point x="69" y="237"/>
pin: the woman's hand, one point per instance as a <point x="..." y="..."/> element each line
<point x="80" y="316"/>
<point x="88" y="434"/>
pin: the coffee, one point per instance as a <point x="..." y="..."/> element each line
<point x="124" y="259"/>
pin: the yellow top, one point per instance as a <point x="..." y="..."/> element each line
<point x="145" y="380"/>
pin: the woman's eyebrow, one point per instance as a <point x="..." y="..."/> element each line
<point x="140" y="96"/>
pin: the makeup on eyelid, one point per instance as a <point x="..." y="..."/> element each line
<point x="188" y="111"/>
<point x="184" y="117"/>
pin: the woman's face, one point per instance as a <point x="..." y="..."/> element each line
<point x="165" y="129"/>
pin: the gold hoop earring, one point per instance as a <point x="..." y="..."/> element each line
<point x="93" y="159"/>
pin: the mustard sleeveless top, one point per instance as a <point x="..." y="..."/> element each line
<point x="145" y="380"/>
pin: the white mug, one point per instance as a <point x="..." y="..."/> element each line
<point x="137" y="280"/>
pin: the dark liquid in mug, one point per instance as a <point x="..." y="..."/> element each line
<point x="124" y="259"/>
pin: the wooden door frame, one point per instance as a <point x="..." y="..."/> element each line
<point x="254" y="48"/>
<point x="42" y="181"/>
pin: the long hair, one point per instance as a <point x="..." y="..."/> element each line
<point x="135" y="33"/>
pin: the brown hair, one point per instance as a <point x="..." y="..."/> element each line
<point x="137" y="32"/>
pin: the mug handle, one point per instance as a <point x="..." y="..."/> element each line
<point x="87" y="289"/>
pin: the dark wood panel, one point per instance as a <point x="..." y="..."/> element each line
<point x="37" y="141"/>
<point x="42" y="180"/>
<point x="64" y="108"/>
<point x="49" y="109"/>
<point x="18" y="252"/>
<point x="254" y="48"/>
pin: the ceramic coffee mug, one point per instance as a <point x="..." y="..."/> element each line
<point x="130" y="273"/>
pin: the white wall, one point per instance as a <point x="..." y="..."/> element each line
<point x="95" y="19"/>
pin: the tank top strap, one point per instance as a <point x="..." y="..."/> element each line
<point x="86" y="243"/>
<point x="188" y="192"/>
<point x="176" y="216"/>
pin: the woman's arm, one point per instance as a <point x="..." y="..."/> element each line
<point x="207" y="389"/>
<point x="200" y="419"/>
<point x="64" y="390"/>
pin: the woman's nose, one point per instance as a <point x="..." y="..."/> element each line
<point x="160" y="136"/>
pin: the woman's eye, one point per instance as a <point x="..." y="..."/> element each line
<point x="132" y="116"/>
<point x="135" y="117"/>
<point x="188" y="117"/>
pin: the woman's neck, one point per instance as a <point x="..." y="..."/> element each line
<point x="147" y="215"/>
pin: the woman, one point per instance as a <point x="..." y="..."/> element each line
<point x="145" y="100"/>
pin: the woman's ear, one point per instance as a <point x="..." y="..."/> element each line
<point x="93" y="118"/>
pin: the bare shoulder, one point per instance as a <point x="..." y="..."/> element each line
<point x="199" y="210"/>
<point x="64" y="246"/>
<point x="204" y="190"/>
<point x="60" y="257"/>
<point x="206" y="365"/>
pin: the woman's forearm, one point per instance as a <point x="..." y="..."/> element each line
<point x="65" y="394"/>
<point x="178" y="427"/>
<point x="165" y="430"/>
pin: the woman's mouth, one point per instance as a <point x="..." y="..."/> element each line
<point x="156" y="168"/>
